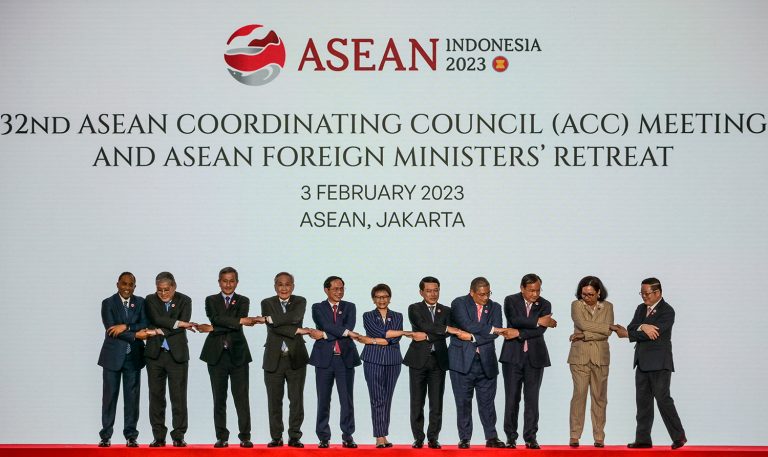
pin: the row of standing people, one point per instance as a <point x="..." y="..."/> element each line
<point x="458" y="339"/>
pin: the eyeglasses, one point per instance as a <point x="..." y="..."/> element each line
<point x="588" y="294"/>
<point x="381" y="297"/>
<point x="647" y="294"/>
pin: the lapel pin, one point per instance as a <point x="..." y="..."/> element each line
<point x="132" y="305"/>
<point x="233" y="302"/>
<point x="173" y="305"/>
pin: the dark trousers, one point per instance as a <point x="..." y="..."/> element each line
<point x="345" y="381"/>
<point x="429" y="380"/>
<point x="165" y="369"/>
<point x="381" y="381"/>
<point x="464" y="387"/>
<point x="275" y="382"/>
<point x="650" y="385"/>
<point x="221" y="373"/>
<point x="131" y="377"/>
<point x="526" y="379"/>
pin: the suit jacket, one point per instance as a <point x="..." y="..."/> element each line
<point x="653" y="355"/>
<point x="226" y="327"/>
<point x="512" y="350"/>
<point x="283" y="330"/>
<point x="462" y="353"/>
<point x="596" y="330"/>
<point x="421" y="321"/>
<point x="322" y="350"/>
<point x="376" y="327"/>
<point x="180" y="310"/>
<point x="113" y="350"/>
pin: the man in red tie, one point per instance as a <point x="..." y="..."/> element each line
<point x="523" y="358"/>
<point x="335" y="357"/>
<point x="472" y="360"/>
<point x="651" y="330"/>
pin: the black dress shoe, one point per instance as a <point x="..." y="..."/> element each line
<point x="323" y="444"/>
<point x="573" y="443"/>
<point x="464" y="444"/>
<point x="636" y="445"/>
<point x="418" y="444"/>
<point x="179" y="443"/>
<point x="276" y="442"/>
<point x="246" y="443"/>
<point x="494" y="442"/>
<point x="220" y="443"/>
<point x="349" y="444"/>
<point x="599" y="444"/>
<point x="104" y="443"/>
<point x="434" y="444"/>
<point x="131" y="443"/>
<point x="511" y="444"/>
<point x="532" y="445"/>
<point x="157" y="443"/>
<point x="677" y="444"/>
<point x="383" y="445"/>
<point x="294" y="442"/>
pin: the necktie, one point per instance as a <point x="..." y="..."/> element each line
<point x="125" y="305"/>
<point x="165" y="342"/>
<point x="336" y="347"/>
<point x="648" y="311"/>
<point x="528" y="314"/>
<point x="432" y="311"/>
<point x="226" y="301"/>
<point x="284" y="347"/>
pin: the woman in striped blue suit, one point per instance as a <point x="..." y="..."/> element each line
<point x="382" y="359"/>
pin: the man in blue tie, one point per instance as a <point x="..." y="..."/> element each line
<point x="122" y="358"/>
<point x="227" y="354"/>
<point x="167" y="358"/>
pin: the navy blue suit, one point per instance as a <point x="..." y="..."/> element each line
<point x="122" y="358"/>
<point x="524" y="370"/>
<point x="331" y="367"/>
<point x="653" y="374"/>
<point x="473" y="364"/>
<point x="382" y="366"/>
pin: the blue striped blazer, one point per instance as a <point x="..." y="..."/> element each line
<point x="376" y="327"/>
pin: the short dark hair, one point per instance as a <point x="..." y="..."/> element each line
<point x="165" y="276"/>
<point x="430" y="280"/>
<point x="329" y="280"/>
<point x="126" y="273"/>
<point x="227" y="270"/>
<point x="530" y="278"/>
<point x="653" y="282"/>
<point x="284" y="273"/>
<point x="379" y="288"/>
<point x="478" y="283"/>
<point x="594" y="281"/>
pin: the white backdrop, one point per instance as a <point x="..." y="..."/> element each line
<point x="68" y="228"/>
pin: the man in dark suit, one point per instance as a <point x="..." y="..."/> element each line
<point x="335" y="357"/>
<point x="523" y="358"/>
<point x="285" y="359"/>
<point x="167" y="358"/>
<point x="226" y="352"/>
<point x="651" y="330"/>
<point x="122" y="357"/>
<point x="472" y="360"/>
<point x="428" y="361"/>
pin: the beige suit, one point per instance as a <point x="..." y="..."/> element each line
<point x="589" y="360"/>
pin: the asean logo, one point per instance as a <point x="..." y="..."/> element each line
<point x="254" y="58"/>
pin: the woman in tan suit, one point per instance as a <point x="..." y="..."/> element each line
<point x="589" y="357"/>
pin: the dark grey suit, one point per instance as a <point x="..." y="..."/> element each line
<point x="285" y="362"/>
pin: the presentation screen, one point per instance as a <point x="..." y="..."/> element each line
<point x="383" y="142"/>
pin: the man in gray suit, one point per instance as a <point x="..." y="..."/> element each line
<point x="285" y="359"/>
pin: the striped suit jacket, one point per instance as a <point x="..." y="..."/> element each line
<point x="594" y="347"/>
<point x="376" y="327"/>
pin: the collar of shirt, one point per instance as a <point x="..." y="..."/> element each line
<point x="225" y="296"/>
<point x="332" y="303"/>
<point x="652" y="307"/>
<point x="529" y="304"/>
